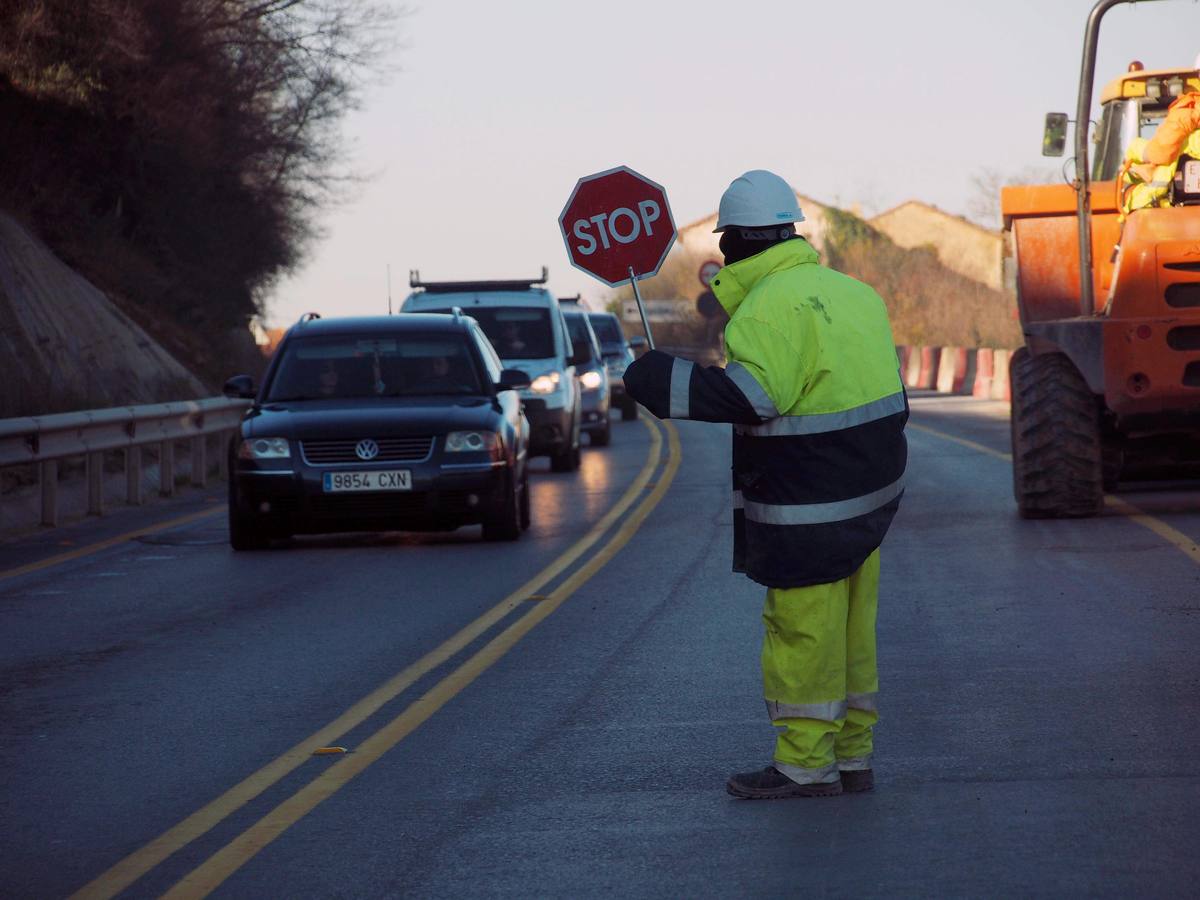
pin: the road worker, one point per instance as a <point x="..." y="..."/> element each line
<point x="813" y="391"/>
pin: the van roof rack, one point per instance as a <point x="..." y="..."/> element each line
<point x="460" y="287"/>
<point x="578" y="298"/>
<point x="308" y="317"/>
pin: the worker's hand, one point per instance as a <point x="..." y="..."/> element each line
<point x="648" y="381"/>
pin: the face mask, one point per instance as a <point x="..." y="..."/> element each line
<point x="739" y="243"/>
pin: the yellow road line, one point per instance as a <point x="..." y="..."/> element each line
<point x="109" y="542"/>
<point x="1159" y="527"/>
<point x="1135" y="514"/>
<point x="972" y="444"/>
<point x="213" y="872"/>
<point x="141" y="861"/>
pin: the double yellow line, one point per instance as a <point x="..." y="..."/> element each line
<point x="216" y="869"/>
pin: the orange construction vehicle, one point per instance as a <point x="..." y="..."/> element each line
<point x="1108" y="383"/>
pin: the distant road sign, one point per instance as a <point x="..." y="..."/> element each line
<point x="708" y="271"/>
<point x="616" y="221"/>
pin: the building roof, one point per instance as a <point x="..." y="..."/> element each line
<point x="926" y="207"/>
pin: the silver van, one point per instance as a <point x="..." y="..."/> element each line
<point x="525" y="324"/>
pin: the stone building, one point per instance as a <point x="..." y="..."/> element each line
<point x="964" y="247"/>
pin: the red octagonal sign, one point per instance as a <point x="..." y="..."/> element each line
<point x="617" y="221"/>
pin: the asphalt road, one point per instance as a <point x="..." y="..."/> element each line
<point x="558" y="717"/>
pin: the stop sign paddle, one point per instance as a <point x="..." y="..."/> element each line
<point x="617" y="226"/>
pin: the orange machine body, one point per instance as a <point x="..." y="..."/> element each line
<point x="1141" y="350"/>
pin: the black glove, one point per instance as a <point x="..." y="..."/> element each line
<point x="648" y="381"/>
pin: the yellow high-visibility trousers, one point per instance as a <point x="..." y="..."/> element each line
<point x="819" y="674"/>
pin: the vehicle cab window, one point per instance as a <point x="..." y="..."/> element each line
<point x="1121" y="122"/>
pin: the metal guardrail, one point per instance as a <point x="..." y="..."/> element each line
<point x="45" y="440"/>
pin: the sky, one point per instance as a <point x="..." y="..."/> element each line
<point x="495" y="109"/>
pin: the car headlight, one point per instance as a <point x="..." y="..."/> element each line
<point x="591" y="380"/>
<point x="547" y="383"/>
<point x="470" y="441"/>
<point x="264" y="448"/>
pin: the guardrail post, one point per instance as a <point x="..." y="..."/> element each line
<point x="166" y="468"/>
<point x="43" y="441"/>
<point x="95" y="484"/>
<point x="199" y="460"/>
<point x="49" y="477"/>
<point x="133" y="476"/>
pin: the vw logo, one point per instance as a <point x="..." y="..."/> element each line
<point x="366" y="449"/>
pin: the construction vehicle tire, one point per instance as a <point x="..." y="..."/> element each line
<point x="1056" y="447"/>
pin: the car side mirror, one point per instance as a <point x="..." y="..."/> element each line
<point x="239" y="387"/>
<point x="637" y="342"/>
<point x="512" y="380"/>
<point x="1054" y="138"/>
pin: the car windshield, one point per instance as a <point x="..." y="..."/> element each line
<point x="576" y="327"/>
<point x="517" y="332"/>
<point x="353" y="366"/>
<point x="581" y="339"/>
<point x="608" y="331"/>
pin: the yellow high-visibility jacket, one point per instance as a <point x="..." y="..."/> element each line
<point x="1151" y="162"/>
<point x="1148" y="184"/>
<point x="1183" y="120"/>
<point x="814" y="393"/>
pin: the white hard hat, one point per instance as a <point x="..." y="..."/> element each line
<point x="758" y="198"/>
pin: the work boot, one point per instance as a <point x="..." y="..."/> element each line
<point x="771" y="784"/>
<point x="856" y="781"/>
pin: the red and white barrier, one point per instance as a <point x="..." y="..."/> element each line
<point x="956" y="370"/>
<point x="927" y="373"/>
<point x="912" y="367"/>
<point x="1000" y="389"/>
<point x="984" y="372"/>
<point x="981" y="373"/>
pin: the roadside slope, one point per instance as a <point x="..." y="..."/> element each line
<point x="64" y="345"/>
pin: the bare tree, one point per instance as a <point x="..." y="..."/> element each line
<point x="983" y="206"/>
<point x="193" y="140"/>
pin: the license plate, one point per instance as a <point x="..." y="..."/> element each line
<point x="391" y="480"/>
<point x="1191" y="176"/>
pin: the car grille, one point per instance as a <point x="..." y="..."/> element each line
<point x="333" y="452"/>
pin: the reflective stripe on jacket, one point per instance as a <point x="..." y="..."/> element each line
<point x="814" y="392"/>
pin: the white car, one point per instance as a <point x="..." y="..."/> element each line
<point x="525" y="325"/>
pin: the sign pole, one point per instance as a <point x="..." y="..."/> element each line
<point x="637" y="295"/>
